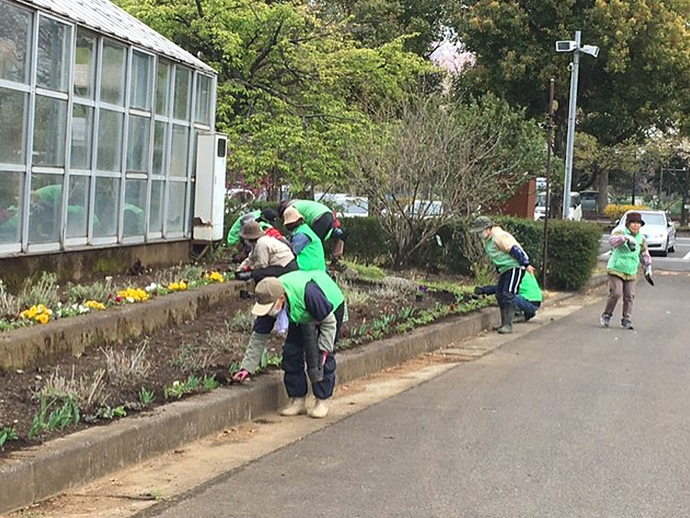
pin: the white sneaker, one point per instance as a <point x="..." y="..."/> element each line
<point x="297" y="406"/>
<point x="320" y="409"/>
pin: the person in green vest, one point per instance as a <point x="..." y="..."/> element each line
<point x="510" y="260"/>
<point x="322" y="221"/>
<point x="314" y="306"/>
<point x="265" y="218"/>
<point x="528" y="299"/>
<point x="306" y="245"/>
<point x="629" y="250"/>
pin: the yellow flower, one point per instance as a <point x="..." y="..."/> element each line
<point x="43" y="318"/>
<point x="215" y="277"/>
<point x="24" y="314"/>
<point x="93" y="304"/>
<point x="42" y="309"/>
<point x="177" y="286"/>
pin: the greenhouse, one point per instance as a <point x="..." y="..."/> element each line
<point x="99" y="117"/>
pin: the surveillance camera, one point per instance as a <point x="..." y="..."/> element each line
<point x="565" y="46"/>
<point x="592" y="50"/>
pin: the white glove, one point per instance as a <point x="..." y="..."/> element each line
<point x="648" y="270"/>
<point x="631" y="243"/>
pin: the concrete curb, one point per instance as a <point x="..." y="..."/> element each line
<point x="41" y="344"/>
<point x="72" y="461"/>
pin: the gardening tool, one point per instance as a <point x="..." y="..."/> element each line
<point x="648" y="275"/>
<point x="243" y="275"/>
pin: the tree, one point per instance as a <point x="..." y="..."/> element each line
<point x="435" y="161"/>
<point x="639" y="81"/>
<point x="294" y="88"/>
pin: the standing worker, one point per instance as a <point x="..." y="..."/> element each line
<point x="322" y="221"/>
<point x="629" y="250"/>
<point x="306" y="245"/>
<point x="314" y="306"/>
<point x="269" y="257"/>
<point x="510" y="260"/>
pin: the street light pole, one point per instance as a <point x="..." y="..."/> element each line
<point x="572" y="107"/>
<point x="576" y="49"/>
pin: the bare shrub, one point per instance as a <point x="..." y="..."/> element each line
<point x="123" y="366"/>
<point x="88" y="391"/>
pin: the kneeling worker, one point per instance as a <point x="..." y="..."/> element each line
<point x="529" y="297"/>
<point x="315" y="307"/>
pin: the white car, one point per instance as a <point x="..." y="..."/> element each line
<point x="574" y="212"/>
<point x="344" y="205"/>
<point x="658" y="229"/>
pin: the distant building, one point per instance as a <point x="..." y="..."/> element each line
<point x="98" y="122"/>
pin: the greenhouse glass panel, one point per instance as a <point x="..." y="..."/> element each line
<point x="82" y="132"/>
<point x="163" y="88"/>
<point x="203" y="99"/>
<point x="54" y="43"/>
<point x="45" y="208"/>
<point x="178" y="155"/>
<point x="85" y="65"/>
<point x="135" y="205"/>
<point x="50" y="128"/>
<point x="113" y="74"/>
<point x="13" y="109"/>
<point x="78" y="206"/>
<point x="140" y="91"/>
<point x="110" y="141"/>
<point x="10" y="213"/>
<point x="156" y="208"/>
<point x="15" y="43"/>
<point x="159" y="143"/>
<point x="182" y="84"/>
<point x="106" y="205"/>
<point x="176" y="202"/>
<point x="138" y="145"/>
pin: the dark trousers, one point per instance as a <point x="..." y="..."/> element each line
<point x="274" y="271"/>
<point x="294" y="364"/>
<point x="528" y="307"/>
<point x="323" y="225"/>
<point x="508" y="286"/>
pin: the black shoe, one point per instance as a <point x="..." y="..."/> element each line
<point x="605" y="320"/>
<point x="627" y="324"/>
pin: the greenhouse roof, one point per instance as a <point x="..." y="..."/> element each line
<point x="107" y="18"/>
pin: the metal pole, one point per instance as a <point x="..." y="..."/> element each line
<point x="547" y="212"/>
<point x="633" y="187"/>
<point x="572" y="106"/>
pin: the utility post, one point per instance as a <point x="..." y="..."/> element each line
<point x="547" y="211"/>
<point x="576" y="49"/>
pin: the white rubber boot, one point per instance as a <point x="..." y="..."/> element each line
<point x="297" y="406"/>
<point x="320" y="409"/>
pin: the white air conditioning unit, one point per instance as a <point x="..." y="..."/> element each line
<point x="209" y="192"/>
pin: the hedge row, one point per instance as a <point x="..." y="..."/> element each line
<point x="573" y="247"/>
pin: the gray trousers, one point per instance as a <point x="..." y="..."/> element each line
<point x="619" y="288"/>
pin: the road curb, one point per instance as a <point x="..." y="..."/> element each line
<point x="72" y="461"/>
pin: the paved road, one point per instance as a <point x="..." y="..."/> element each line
<point x="675" y="261"/>
<point x="568" y="421"/>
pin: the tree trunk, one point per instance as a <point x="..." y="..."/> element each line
<point x="603" y="188"/>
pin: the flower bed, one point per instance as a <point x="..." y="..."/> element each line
<point x="107" y="383"/>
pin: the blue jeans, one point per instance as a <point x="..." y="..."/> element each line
<point x="528" y="307"/>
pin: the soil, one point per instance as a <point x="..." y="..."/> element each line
<point x="18" y="389"/>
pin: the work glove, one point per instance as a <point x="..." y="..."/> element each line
<point x="648" y="275"/>
<point x="241" y="275"/>
<point x="631" y="243"/>
<point x="479" y="290"/>
<point x="312" y="354"/>
<point x="240" y="375"/>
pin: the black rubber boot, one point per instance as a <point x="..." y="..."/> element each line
<point x="507" y="315"/>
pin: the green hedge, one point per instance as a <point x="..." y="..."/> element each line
<point x="573" y="253"/>
<point x="366" y="241"/>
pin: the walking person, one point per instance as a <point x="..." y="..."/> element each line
<point x="510" y="260"/>
<point x="628" y="251"/>
<point x="314" y="306"/>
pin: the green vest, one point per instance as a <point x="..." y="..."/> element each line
<point x="311" y="257"/>
<point x="295" y="284"/>
<point x="624" y="261"/>
<point x="529" y="288"/>
<point x="310" y="210"/>
<point x="503" y="260"/>
<point x="234" y="233"/>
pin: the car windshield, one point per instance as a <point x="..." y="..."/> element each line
<point x="541" y="200"/>
<point x="654" y="219"/>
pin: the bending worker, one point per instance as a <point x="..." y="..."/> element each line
<point x="321" y="220"/>
<point x="510" y="260"/>
<point x="269" y="257"/>
<point x="314" y="306"/>
<point x="529" y="297"/>
<point x="306" y="245"/>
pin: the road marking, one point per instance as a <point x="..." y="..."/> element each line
<point x="686" y="257"/>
